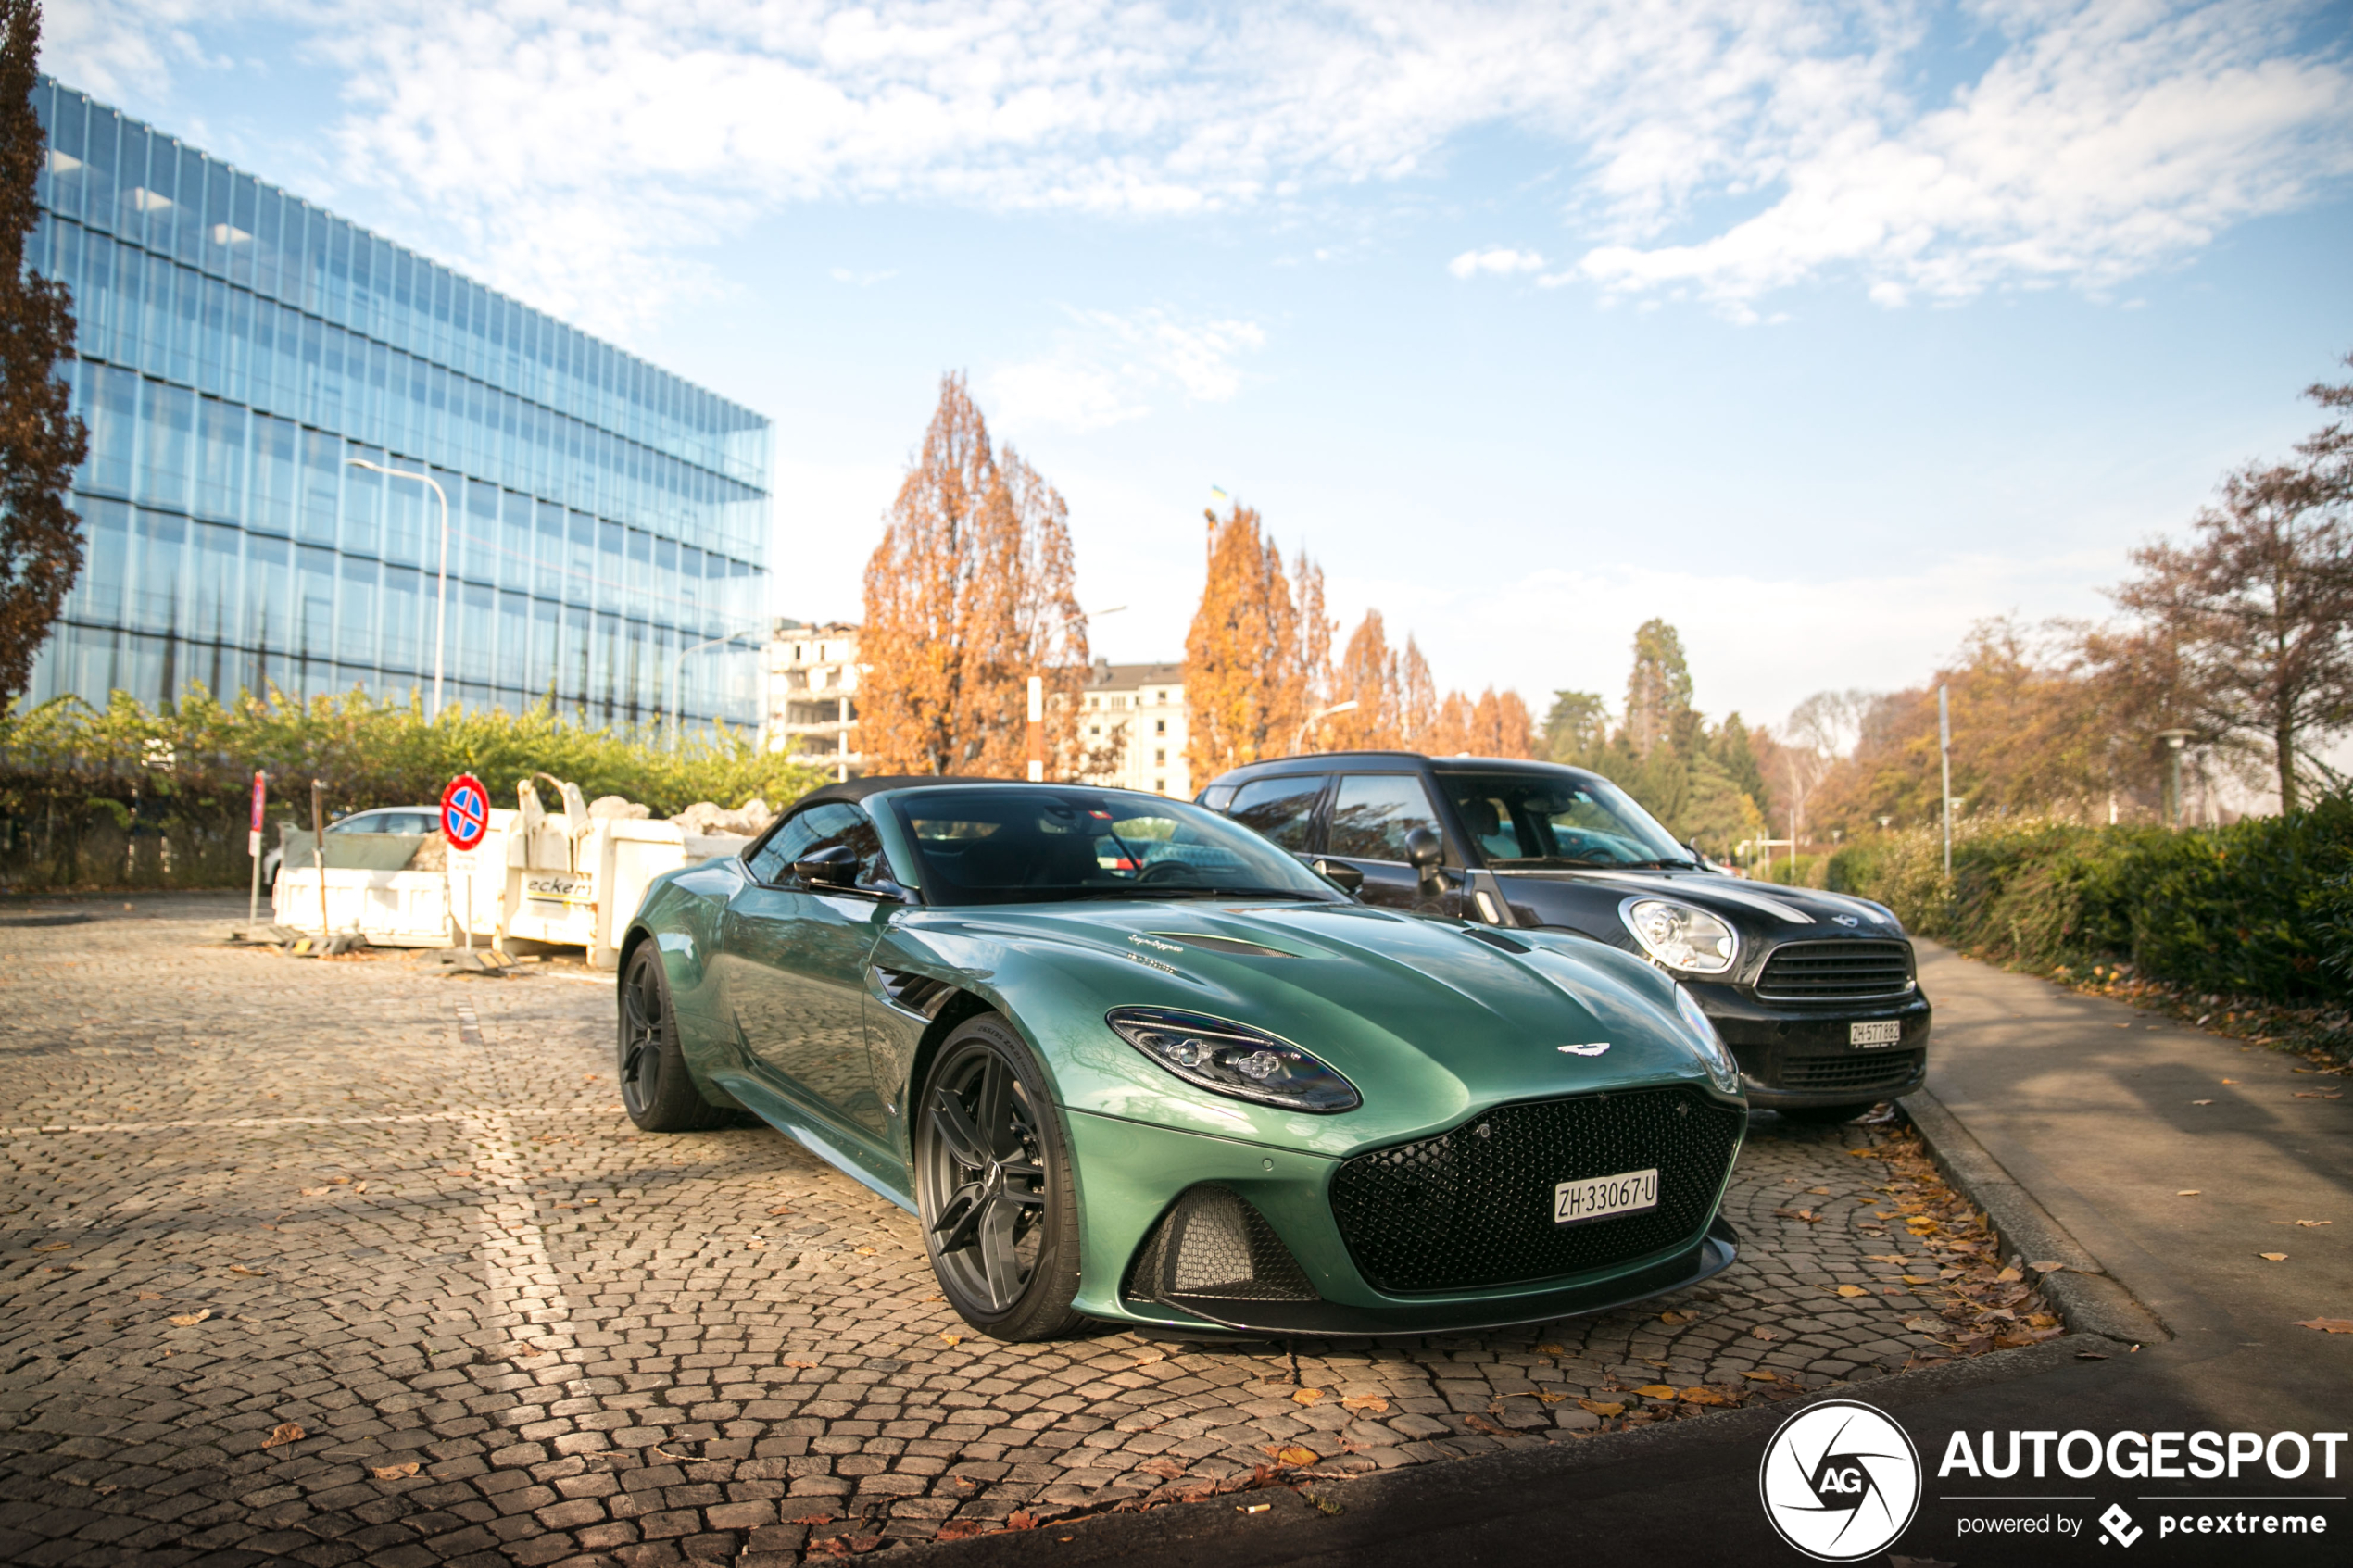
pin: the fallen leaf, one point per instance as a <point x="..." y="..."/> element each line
<point x="1480" y="1423"/>
<point x="2046" y="1267"/>
<point x="2308" y="1224"/>
<point x="1021" y="1518"/>
<point x="1656" y="1392"/>
<point x="1761" y="1331"/>
<point x="754" y="1245"/>
<point x="2230" y="1080"/>
<point x="1702" y="1397"/>
<point x="1762" y="1376"/>
<point x="2201" y="1102"/>
<point x="1552" y="1351"/>
<point x="394" y="1471"/>
<point x="780" y="1209"/>
<point x="240" y="1268"/>
<point x="1605" y="1408"/>
<point x="1165" y="1468"/>
<point x="2009" y="1276"/>
<point x="281" y="1435"/>
<point x="2272" y="1256"/>
<point x="2191" y="1192"/>
<point x="339" y="1181"/>
<point x="1819" y="1192"/>
<point x="2042" y="1320"/>
<point x="2316" y="1093"/>
<point x="1305" y="1395"/>
<point x="1548" y="1397"/>
<point x="2091" y="1355"/>
<point x="802" y="1365"/>
<point x="1920" y="1279"/>
<point x="1862" y="1153"/>
<point x="190" y="1320"/>
<point x="150" y="1296"/>
<point x="1852" y="1290"/>
<point x="951" y="1340"/>
<point x="55" y="1247"/>
<point x="1372" y="1402"/>
<point x="2328" y="1325"/>
<point x="1923" y="1323"/>
<point x="1674" y="1317"/>
<point x="865" y="1252"/>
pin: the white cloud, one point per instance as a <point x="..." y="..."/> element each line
<point x="863" y="280"/>
<point x="1103" y="369"/>
<point x="578" y="150"/>
<point x="1499" y="259"/>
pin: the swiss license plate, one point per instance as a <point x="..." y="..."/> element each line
<point x="1599" y="1197"/>
<point x="1888" y="1032"/>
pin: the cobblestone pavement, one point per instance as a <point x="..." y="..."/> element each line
<point x="358" y="1261"/>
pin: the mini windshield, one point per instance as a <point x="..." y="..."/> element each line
<point x="1017" y="845"/>
<point x="1569" y="820"/>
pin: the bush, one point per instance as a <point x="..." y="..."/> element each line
<point x="2262" y="908"/>
<point x="130" y="795"/>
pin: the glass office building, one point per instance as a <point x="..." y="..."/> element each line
<point x="238" y="345"/>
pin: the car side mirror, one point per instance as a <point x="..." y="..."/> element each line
<point x="1347" y="878"/>
<point x="834" y="866"/>
<point x="1423" y="851"/>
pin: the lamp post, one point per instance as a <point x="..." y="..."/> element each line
<point x="1318" y="716"/>
<point x="1945" y="762"/>
<point x="441" y="594"/>
<point x="677" y="673"/>
<point x="2174" y="740"/>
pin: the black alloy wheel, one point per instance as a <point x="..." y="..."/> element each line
<point x="655" y="1087"/>
<point x="992" y="1181"/>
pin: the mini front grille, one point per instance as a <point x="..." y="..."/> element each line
<point x="1801" y="972"/>
<point x="1880" y="1069"/>
<point x="1473" y="1207"/>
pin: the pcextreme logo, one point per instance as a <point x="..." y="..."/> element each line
<point x="1841" y="1481"/>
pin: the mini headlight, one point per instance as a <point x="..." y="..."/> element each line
<point x="1234" y="1059"/>
<point x="1720" y="1065"/>
<point x="1681" y="936"/>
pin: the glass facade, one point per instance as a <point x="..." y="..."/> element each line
<point x="238" y="345"/>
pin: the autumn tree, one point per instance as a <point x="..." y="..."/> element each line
<point x="1367" y="676"/>
<point x="1258" y="654"/>
<point x="41" y="441"/>
<point x="2259" y="603"/>
<point x="968" y="595"/>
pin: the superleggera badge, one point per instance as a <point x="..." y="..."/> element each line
<point x="1156" y="944"/>
<point x="1592" y="1047"/>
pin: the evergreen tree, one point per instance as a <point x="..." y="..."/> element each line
<point x="41" y="443"/>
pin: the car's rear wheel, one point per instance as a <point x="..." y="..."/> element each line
<point x="993" y="1185"/>
<point x="655" y="1088"/>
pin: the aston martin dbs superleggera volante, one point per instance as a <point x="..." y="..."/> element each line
<point x="1128" y="1059"/>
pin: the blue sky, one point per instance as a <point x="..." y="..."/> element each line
<point x="1820" y="331"/>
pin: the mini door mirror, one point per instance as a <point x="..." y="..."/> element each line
<point x="1347" y="878"/>
<point x="834" y="866"/>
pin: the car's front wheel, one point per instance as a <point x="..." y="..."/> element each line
<point x="993" y="1183"/>
<point x="655" y="1088"/>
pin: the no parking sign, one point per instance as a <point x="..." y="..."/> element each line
<point x="465" y="811"/>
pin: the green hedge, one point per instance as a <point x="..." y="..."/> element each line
<point x="2263" y="908"/>
<point x="128" y="796"/>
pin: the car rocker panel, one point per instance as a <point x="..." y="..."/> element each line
<point x="1484" y="1074"/>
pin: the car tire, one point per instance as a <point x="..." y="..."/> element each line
<point x="994" y="1188"/>
<point x="655" y="1089"/>
<point x="1826" y="1115"/>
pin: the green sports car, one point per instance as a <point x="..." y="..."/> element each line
<point x="1127" y="1060"/>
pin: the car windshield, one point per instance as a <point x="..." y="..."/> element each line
<point x="1569" y="820"/>
<point x="1016" y="845"/>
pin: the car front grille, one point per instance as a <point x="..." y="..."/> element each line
<point x="1473" y="1207"/>
<point x="1807" y="971"/>
<point x="1879" y="1071"/>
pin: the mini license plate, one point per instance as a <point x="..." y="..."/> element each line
<point x="1600" y="1197"/>
<point x="1888" y="1032"/>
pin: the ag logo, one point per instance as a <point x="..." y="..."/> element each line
<point x="1841" y="1481"/>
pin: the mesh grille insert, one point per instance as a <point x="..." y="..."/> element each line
<point x="1802" y="970"/>
<point x="1473" y="1207"/>
<point x="1214" y="1247"/>
<point x="1879" y="1070"/>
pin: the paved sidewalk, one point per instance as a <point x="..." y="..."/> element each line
<point x="2108" y="1114"/>
<point x="400" y="1212"/>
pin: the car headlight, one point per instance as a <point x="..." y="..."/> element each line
<point x="1234" y="1059"/>
<point x="1720" y="1065"/>
<point x="1681" y="936"/>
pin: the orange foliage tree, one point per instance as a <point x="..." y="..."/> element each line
<point x="1258" y="656"/>
<point x="969" y="593"/>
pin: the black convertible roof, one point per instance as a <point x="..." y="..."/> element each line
<point x="855" y="790"/>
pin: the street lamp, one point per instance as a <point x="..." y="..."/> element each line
<point x="2174" y="740"/>
<point x="677" y="673"/>
<point x="1301" y="739"/>
<point x="441" y="596"/>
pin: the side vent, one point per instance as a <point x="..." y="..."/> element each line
<point x="918" y="994"/>
<point x="1505" y="943"/>
<point x="1214" y="1247"/>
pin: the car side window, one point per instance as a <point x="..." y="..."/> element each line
<point x="1375" y="812"/>
<point x="1281" y="809"/>
<point x="825" y="823"/>
<point x="1489" y="821"/>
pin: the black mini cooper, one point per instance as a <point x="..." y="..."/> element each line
<point x="1815" y="993"/>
